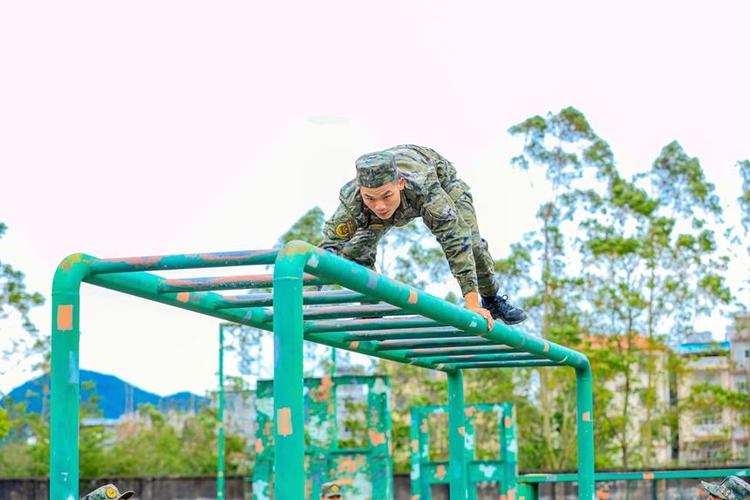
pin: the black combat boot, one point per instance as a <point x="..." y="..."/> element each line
<point x="500" y="308"/>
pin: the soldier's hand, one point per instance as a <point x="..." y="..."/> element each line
<point x="485" y="314"/>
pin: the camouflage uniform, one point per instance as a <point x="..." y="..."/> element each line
<point x="433" y="192"/>
<point x="108" y="492"/>
<point x="731" y="488"/>
<point x="330" y="489"/>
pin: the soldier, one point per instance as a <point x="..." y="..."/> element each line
<point x="731" y="488"/>
<point x="108" y="492"/>
<point x="330" y="490"/>
<point x="402" y="183"/>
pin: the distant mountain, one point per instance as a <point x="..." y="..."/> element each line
<point x="116" y="396"/>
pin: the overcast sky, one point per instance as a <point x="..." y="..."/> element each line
<point x="153" y="127"/>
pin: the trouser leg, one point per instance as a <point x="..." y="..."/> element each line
<point x="484" y="262"/>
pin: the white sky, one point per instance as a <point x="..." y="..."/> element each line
<point x="151" y="127"/>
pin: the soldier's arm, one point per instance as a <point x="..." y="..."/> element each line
<point x="337" y="230"/>
<point x="454" y="235"/>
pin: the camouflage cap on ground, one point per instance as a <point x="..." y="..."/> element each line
<point x="731" y="488"/>
<point x="376" y="169"/>
<point x="108" y="492"/>
<point x="330" y="489"/>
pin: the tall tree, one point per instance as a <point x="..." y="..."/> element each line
<point x="562" y="145"/>
<point x="744" y="201"/>
<point x="15" y="299"/>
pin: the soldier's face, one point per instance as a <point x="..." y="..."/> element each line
<point x="383" y="200"/>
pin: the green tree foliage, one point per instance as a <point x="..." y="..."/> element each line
<point x="149" y="443"/>
<point x="15" y="298"/>
<point x="563" y="146"/>
<point x="4" y="423"/>
<point x="308" y="228"/>
<point x="13" y="293"/>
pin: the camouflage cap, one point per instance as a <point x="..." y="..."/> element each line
<point x="731" y="488"/>
<point x="330" y="489"/>
<point x="376" y="169"/>
<point x="108" y="492"/>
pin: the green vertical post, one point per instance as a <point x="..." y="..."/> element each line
<point x="288" y="386"/>
<point x="470" y="452"/>
<point x="65" y="389"/>
<point x="456" y="442"/>
<point x="220" y="418"/>
<point x="509" y="451"/>
<point x="415" y="454"/>
<point x="585" y="417"/>
<point x="379" y="430"/>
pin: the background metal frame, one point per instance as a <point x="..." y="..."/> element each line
<point x="412" y="327"/>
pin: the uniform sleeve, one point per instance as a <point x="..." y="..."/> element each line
<point x="440" y="215"/>
<point x="338" y="230"/>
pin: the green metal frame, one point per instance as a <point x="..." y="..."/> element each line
<point x="529" y="483"/>
<point x="365" y="472"/>
<point x="503" y="470"/>
<point x="424" y="331"/>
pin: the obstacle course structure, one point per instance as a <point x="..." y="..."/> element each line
<point x="502" y="471"/>
<point x="410" y="327"/>
<point x="365" y="472"/>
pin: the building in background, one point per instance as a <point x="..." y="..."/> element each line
<point x="715" y="435"/>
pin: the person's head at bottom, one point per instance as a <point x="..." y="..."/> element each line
<point x="330" y="490"/>
<point x="108" y="492"/>
<point x="731" y="488"/>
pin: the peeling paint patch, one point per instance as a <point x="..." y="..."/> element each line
<point x="487" y="470"/>
<point x="372" y="280"/>
<point x="512" y="494"/>
<point x="354" y="344"/>
<point x="412" y="296"/>
<point x="313" y="261"/>
<point x="473" y="324"/>
<point x="73" y="365"/>
<point x="69" y="261"/>
<point x="65" y="317"/>
<point x="462" y="430"/>
<point x="265" y="406"/>
<point x="183" y="297"/>
<point x="258" y="446"/>
<point x="376" y="438"/>
<point x="379" y="387"/>
<point x="469" y="411"/>
<point x="324" y="388"/>
<point x="284" y="419"/>
<point x="414" y="445"/>
<point x="546" y="347"/>
<point x="586" y="417"/>
<point x="440" y="472"/>
<point x="508" y="422"/>
<point x="648" y="475"/>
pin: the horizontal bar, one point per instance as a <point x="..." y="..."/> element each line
<point x="308" y="298"/>
<point x="465" y="358"/>
<point x="411" y="333"/>
<point x="226" y="283"/>
<point x="145" y="285"/>
<point x="352" y="311"/>
<point x="369" y="324"/>
<point x="500" y="364"/>
<point x="481" y="349"/>
<point x="396" y="345"/>
<point x="337" y="339"/>
<point x="637" y="476"/>
<point x="358" y="278"/>
<point x="184" y="261"/>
